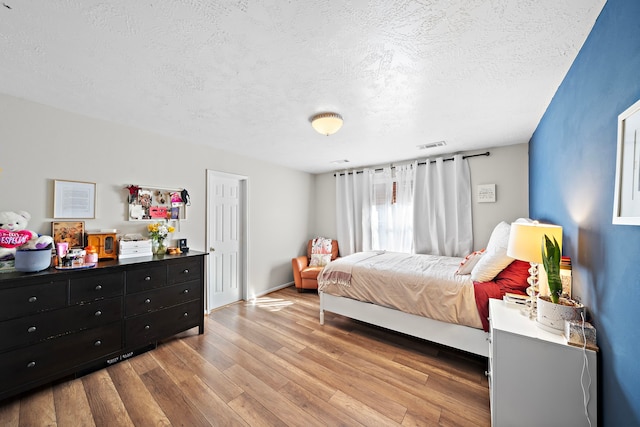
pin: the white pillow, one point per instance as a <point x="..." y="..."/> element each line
<point x="319" y="260"/>
<point x="524" y="221"/>
<point x="495" y="257"/>
<point x="467" y="264"/>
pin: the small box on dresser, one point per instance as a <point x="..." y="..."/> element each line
<point x="134" y="248"/>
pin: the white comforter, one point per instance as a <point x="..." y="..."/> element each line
<point x="425" y="285"/>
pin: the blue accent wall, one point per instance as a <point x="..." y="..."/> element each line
<point x="571" y="172"/>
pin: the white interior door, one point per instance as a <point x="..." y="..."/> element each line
<point x="226" y="238"/>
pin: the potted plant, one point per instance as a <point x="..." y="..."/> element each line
<point x="554" y="309"/>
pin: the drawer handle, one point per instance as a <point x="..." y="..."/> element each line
<point x="31" y="364"/>
<point x="98" y="313"/>
<point x="33" y="299"/>
<point x="97" y="343"/>
<point x="186" y="271"/>
<point x="185" y="315"/>
<point x="99" y="287"/>
<point x="31" y="329"/>
<point x="147" y="327"/>
<point x="147" y="301"/>
<point x="147" y="278"/>
<point x="186" y="291"/>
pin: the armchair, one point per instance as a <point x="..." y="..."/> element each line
<point x="306" y="276"/>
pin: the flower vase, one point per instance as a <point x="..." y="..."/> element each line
<point x="158" y="247"/>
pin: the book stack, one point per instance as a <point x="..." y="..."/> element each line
<point x="516" y="300"/>
<point x="565" y="276"/>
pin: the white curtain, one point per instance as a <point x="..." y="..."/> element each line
<point x="430" y="214"/>
<point x="353" y="207"/>
<point x="442" y="208"/>
<point x="392" y="208"/>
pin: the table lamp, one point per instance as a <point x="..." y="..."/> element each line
<point x="525" y="244"/>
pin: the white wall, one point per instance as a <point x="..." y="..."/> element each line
<point x="286" y="207"/>
<point x="40" y="144"/>
<point x="507" y="167"/>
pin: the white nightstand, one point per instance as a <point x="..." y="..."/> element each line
<point x="534" y="376"/>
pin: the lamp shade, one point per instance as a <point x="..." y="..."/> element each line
<point x="327" y="123"/>
<point x="526" y="240"/>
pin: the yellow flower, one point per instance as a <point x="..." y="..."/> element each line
<point x="159" y="231"/>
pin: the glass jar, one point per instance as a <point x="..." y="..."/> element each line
<point x="158" y="247"/>
<point x="92" y="255"/>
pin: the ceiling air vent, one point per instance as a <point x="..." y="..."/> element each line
<point x="431" y="145"/>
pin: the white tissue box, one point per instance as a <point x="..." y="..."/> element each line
<point x="134" y="248"/>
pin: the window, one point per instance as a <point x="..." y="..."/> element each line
<point x="392" y="210"/>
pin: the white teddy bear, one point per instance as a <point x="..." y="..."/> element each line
<point x="14" y="234"/>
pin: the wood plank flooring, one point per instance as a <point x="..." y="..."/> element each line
<point x="270" y="363"/>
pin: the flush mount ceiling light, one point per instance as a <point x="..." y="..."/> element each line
<point x="327" y="123"/>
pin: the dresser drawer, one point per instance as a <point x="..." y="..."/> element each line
<point x="184" y="271"/>
<point x="150" y="327"/>
<point x="31" y="299"/>
<point x="57" y="355"/>
<point x="97" y="286"/>
<point x="156" y="299"/>
<point x="146" y="278"/>
<point x="50" y="324"/>
<point x="97" y="313"/>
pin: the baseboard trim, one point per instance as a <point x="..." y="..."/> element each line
<point x="275" y="288"/>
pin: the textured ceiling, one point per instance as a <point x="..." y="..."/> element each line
<point x="246" y="75"/>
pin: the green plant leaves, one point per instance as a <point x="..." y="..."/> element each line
<point x="551" y="261"/>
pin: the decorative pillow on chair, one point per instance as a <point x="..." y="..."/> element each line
<point x="495" y="257"/>
<point x="319" y="260"/>
<point x="470" y="261"/>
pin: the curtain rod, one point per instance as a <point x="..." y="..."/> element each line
<point x="486" y="153"/>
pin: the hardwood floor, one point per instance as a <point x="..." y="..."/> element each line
<point x="270" y="363"/>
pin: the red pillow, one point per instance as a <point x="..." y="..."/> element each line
<point x="514" y="277"/>
<point x="483" y="291"/>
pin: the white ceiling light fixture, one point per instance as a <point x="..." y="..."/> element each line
<point x="327" y="123"/>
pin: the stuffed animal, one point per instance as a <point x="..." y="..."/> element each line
<point x="14" y="234"/>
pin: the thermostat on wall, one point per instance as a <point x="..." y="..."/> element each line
<point x="486" y="193"/>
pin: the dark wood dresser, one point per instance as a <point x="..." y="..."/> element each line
<point x="60" y="323"/>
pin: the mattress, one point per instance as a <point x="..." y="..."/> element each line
<point x="425" y="285"/>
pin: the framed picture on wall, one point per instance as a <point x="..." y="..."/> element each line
<point x="71" y="232"/>
<point x="626" y="200"/>
<point x="150" y="203"/>
<point x="74" y="199"/>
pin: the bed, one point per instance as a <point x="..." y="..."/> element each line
<point x="425" y="296"/>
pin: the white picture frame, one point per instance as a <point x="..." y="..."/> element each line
<point x="74" y="199"/>
<point x="486" y="193"/>
<point x="626" y="200"/>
